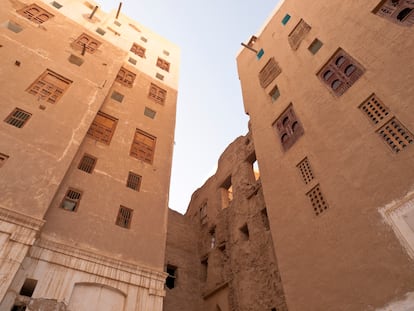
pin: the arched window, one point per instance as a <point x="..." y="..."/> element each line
<point x="349" y="70"/>
<point x="295" y="126"/>
<point x="285" y="121"/>
<point x="284" y="137"/>
<point x="327" y="75"/>
<point x="403" y="14"/>
<point x="336" y="84"/>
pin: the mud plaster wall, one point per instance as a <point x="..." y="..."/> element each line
<point x="236" y="272"/>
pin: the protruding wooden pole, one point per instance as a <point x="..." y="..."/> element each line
<point x="248" y="47"/>
<point x="93" y="12"/>
<point x="119" y="10"/>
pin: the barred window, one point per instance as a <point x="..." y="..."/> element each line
<point x="35" y="13"/>
<point x="71" y="200"/>
<point x="87" y="163"/>
<point x="134" y="181"/>
<point x="138" y="50"/>
<point x="49" y="86"/>
<point x="340" y="72"/>
<point x="102" y="128"/>
<point x="143" y="146"/>
<point x="124" y="217"/>
<point x="18" y="118"/>
<point x="125" y="77"/>
<point x="269" y="72"/>
<point x="288" y="128"/>
<point x="163" y="64"/>
<point x="157" y="94"/>
<point x="86" y="42"/>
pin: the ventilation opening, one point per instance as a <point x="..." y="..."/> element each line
<point x="117" y="96"/>
<point x="100" y="31"/>
<point x="204" y="269"/>
<point x="28" y="287"/>
<point x="16" y="28"/>
<point x="315" y="46"/>
<point x="227" y="193"/>
<point x="57" y="5"/>
<point x="172" y="276"/>
<point x="244" y="230"/>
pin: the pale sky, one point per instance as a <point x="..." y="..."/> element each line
<point x="210" y="113"/>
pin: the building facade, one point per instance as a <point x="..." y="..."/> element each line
<point x="88" y="104"/>
<point x="329" y="89"/>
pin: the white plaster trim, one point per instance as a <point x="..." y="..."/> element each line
<point x="407" y="304"/>
<point x="86" y="261"/>
<point x="393" y="214"/>
<point x="21" y="219"/>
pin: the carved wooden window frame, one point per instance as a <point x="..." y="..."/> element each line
<point x="143" y="146"/>
<point x="340" y="72"/>
<point x="124" y="217"/>
<point x="399" y="12"/>
<point x="269" y="72"/>
<point x="87" y="42"/>
<point x="35" y="13"/>
<point x="288" y="127"/>
<point x="49" y="86"/>
<point x="298" y="34"/>
<point x="163" y="64"/>
<point x="102" y="128"/>
<point x="138" y="50"/>
<point x="125" y="77"/>
<point x="157" y="94"/>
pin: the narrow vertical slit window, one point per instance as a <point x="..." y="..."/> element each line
<point x="87" y="163"/>
<point x="171" y="280"/>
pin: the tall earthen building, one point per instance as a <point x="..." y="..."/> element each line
<point x="88" y="107"/>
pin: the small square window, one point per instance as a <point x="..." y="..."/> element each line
<point x="143" y="39"/>
<point x="203" y="213"/>
<point x="57" y="5"/>
<point x="149" y="113"/>
<point x="124" y="217"/>
<point x="117" y="23"/>
<point x="274" y="93"/>
<point x="285" y="19"/>
<point x="87" y="164"/>
<point x="3" y="159"/>
<point x="315" y="46"/>
<point x="71" y="200"/>
<point x="132" y="61"/>
<point x="117" y="96"/>
<point x="163" y="64"/>
<point x="244" y="230"/>
<point x="288" y="128"/>
<point x="12" y="26"/>
<point x="134" y="181"/>
<point x="159" y="76"/>
<point x="166" y="53"/>
<point x="18" y="118"/>
<point x="100" y="31"/>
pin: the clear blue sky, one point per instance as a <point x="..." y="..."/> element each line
<point x="210" y="112"/>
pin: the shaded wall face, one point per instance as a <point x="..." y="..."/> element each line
<point x="325" y="189"/>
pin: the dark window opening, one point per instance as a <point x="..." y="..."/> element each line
<point x="172" y="276"/>
<point x="204" y="269"/>
<point x="245" y="232"/>
<point x="403" y="14"/>
<point x="28" y="287"/>
<point x="265" y="219"/>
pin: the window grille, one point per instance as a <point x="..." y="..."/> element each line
<point x="124" y="217"/>
<point x="288" y="128"/>
<point x="87" y="163"/>
<point x="134" y="181"/>
<point x="71" y="200"/>
<point x="395" y="135"/>
<point x="18" y="118"/>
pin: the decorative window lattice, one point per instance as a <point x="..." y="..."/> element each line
<point x="103" y="127"/>
<point x="143" y="146"/>
<point x="163" y="64"/>
<point x="397" y="11"/>
<point x="269" y="72"/>
<point x="157" y="94"/>
<point x="340" y="72"/>
<point x="50" y="86"/>
<point x="124" y="217"/>
<point x="87" y="43"/>
<point x="18" y="118"/>
<point x="298" y="34"/>
<point x="159" y="76"/>
<point x="374" y="109"/>
<point x="317" y="200"/>
<point x="134" y="181"/>
<point x="35" y="14"/>
<point x="138" y="50"/>
<point x="288" y="128"/>
<point x="3" y="159"/>
<point x="125" y="77"/>
<point x="305" y="171"/>
<point x="133" y="61"/>
<point x="71" y="200"/>
<point x="87" y="163"/>
<point x="395" y="135"/>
